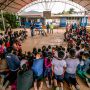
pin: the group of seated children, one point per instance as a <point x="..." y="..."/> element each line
<point x="10" y="40"/>
<point x="80" y="39"/>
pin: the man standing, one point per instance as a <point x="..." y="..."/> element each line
<point x="13" y="64"/>
<point x="48" y="27"/>
<point x="51" y="28"/>
<point x="32" y="29"/>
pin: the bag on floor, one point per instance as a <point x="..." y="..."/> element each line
<point x="25" y="80"/>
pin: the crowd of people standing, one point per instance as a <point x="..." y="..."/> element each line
<point x="42" y="29"/>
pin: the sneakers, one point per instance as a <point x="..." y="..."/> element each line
<point x="48" y="86"/>
<point x="61" y="88"/>
<point x="88" y="83"/>
<point x="57" y="88"/>
<point x="71" y="87"/>
<point x="77" y="87"/>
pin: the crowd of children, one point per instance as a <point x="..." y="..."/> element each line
<point x="79" y="39"/>
<point x="10" y="40"/>
<point x="52" y="64"/>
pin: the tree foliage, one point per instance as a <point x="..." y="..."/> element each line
<point x="10" y="20"/>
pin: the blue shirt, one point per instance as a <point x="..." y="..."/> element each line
<point x="38" y="66"/>
<point x="86" y="65"/>
<point x="13" y="62"/>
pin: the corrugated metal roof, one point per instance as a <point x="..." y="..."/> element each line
<point x="16" y="5"/>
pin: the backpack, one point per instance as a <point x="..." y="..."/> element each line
<point x="1" y="50"/>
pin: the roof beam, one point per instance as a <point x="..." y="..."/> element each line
<point x="18" y="4"/>
<point x="2" y="3"/>
<point x="14" y="7"/>
<point x="80" y="1"/>
<point x="8" y="4"/>
<point x="24" y="1"/>
<point x="87" y="5"/>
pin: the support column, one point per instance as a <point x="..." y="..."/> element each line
<point x="3" y="20"/>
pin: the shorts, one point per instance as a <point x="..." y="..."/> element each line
<point x="70" y="78"/>
<point x="48" y="72"/>
<point x="38" y="78"/>
<point x="59" y="78"/>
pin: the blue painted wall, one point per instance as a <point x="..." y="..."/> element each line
<point x="63" y="22"/>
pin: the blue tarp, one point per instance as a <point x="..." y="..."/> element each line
<point x="27" y="24"/>
<point x="38" y="25"/>
<point x="83" y="21"/>
<point x="63" y="22"/>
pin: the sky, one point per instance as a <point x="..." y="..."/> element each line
<point x="54" y="7"/>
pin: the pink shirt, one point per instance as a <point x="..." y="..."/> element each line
<point x="47" y="63"/>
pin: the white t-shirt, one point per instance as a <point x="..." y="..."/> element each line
<point x="58" y="66"/>
<point x="72" y="65"/>
<point x="23" y="62"/>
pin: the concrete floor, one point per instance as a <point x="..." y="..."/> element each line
<point x="55" y="39"/>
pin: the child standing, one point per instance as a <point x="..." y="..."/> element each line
<point x="70" y="75"/>
<point x="48" y="69"/>
<point x="58" y="69"/>
<point x="38" y="71"/>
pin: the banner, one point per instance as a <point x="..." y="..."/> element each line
<point x="83" y="21"/>
<point x="27" y="24"/>
<point x="63" y="22"/>
<point x="38" y="25"/>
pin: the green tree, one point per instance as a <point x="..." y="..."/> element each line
<point x="10" y="19"/>
<point x="71" y="11"/>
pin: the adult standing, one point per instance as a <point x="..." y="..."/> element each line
<point x="32" y="29"/>
<point x="47" y="27"/>
<point x="13" y="64"/>
<point x="51" y="28"/>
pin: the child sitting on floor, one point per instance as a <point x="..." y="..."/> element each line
<point x="48" y="69"/>
<point x="84" y="66"/>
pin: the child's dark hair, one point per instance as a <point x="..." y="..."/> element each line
<point x="43" y="48"/>
<point x="9" y="49"/>
<point x="77" y="48"/>
<point x="15" y="52"/>
<point x="29" y="53"/>
<point x="86" y="54"/>
<point x="61" y="54"/>
<point x="59" y="49"/>
<point x="34" y="51"/>
<point x="86" y="46"/>
<point x="49" y="47"/>
<point x="39" y="50"/>
<point x="23" y="56"/>
<point x="82" y="45"/>
<point x="56" y="47"/>
<point x="72" y="52"/>
<point x="63" y="49"/>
